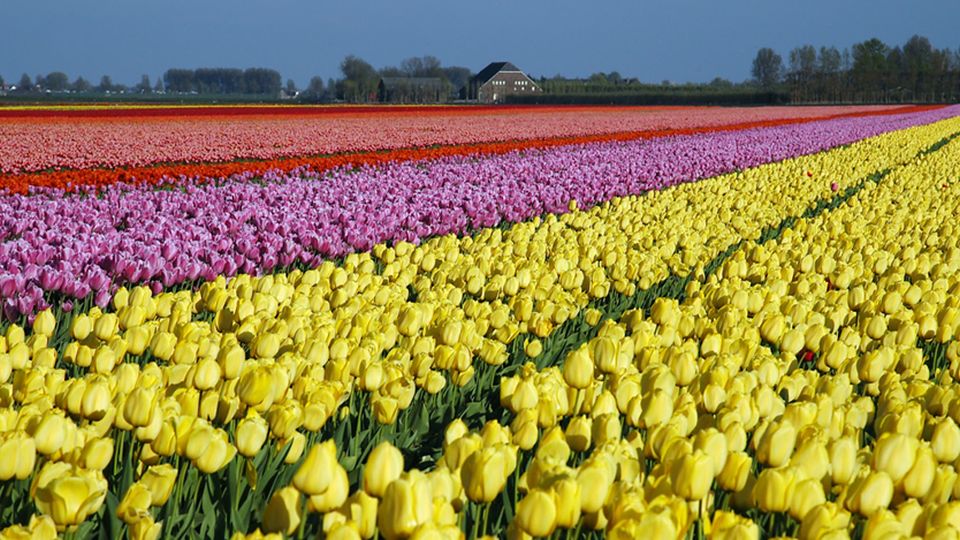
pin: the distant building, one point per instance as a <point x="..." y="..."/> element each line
<point x="413" y="90"/>
<point x="497" y="81"/>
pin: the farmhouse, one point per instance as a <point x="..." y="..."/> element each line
<point x="412" y="90"/>
<point x="497" y="81"/>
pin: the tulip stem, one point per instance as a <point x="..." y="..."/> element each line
<point x="303" y="518"/>
<point x="485" y="512"/>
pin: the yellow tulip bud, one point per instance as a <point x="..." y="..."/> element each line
<point x="81" y="327"/>
<point x="218" y="454"/>
<point x="96" y="400"/>
<point x="919" y="479"/>
<point x="207" y="374"/>
<point x="255" y="387"/>
<point x="18" y="455"/>
<point x="406" y="505"/>
<point x="159" y="479"/>
<point x="135" y="502"/>
<point x="282" y="513"/>
<point x="777" y="444"/>
<point x="251" y="434"/>
<point x="774" y="490"/>
<point x="735" y="471"/>
<point x="823" y="519"/>
<point x="336" y="493"/>
<point x="266" y="346"/>
<point x="579" y="433"/>
<point x="533" y="348"/>
<point x="843" y="460"/>
<point x="806" y="495"/>
<point x="872" y="493"/>
<point x="140" y="406"/>
<point x="144" y="528"/>
<point x="384" y="465"/>
<point x="595" y="483"/>
<point x="97" y="453"/>
<point x="894" y="453"/>
<point x="106" y="326"/>
<point x="945" y="441"/>
<point x="537" y="513"/>
<point x="50" y="433"/>
<point x="578" y="368"/>
<point x="312" y="478"/>
<point x="484" y="474"/>
<point x="44" y="323"/>
<point x="692" y="475"/>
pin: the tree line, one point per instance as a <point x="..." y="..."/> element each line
<point x="869" y="72"/>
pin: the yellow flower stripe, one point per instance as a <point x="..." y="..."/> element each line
<point x="829" y="357"/>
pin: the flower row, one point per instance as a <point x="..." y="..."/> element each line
<point x="37" y="144"/>
<point x="74" y="247"/>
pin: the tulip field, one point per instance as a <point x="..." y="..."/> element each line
<point x="479" y="322"/>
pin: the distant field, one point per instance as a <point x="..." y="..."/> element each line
<point x="84" y="145"/>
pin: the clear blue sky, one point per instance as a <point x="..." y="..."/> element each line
<point x="679" y="40"/>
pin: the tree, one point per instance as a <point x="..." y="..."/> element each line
<point x="870" y="69"/>
<point x="2" y="82"/>
<point x="158" y="88"/>
<point x="457" y="75"/>
<point x="25" y="84"/>
<point x="40" y="82"/>
<point x="179" y="80"/>
<point x="57" y="81"/>
<point x="106" y="84"/>
<point x="81" y="85"/>
<point x="360" y="80"/>
<point x="144" y="87"/>
<point x="767" y="67"/>
<point x="292" y="87"/>
<point x="315" y="90"/>
<point x="424" y="66"/>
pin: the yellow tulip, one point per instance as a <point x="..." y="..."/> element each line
<point x="282" y="514"/>
<point x="407" y="504"/>
<point x="69" y="500"/>
<point x="106" y="326"/>
<point x="144" y="528"/>
<point x="578" y="368"/>
<point x="313" y="476"/>
<point x="537" y="513"/>
<point x="806" y="495"/>
<point x="44" y="323"/>
<point x="735" y="472"/>
<point x="18" y="455"/>
<point x="50" y="434"/>
<point x="595" y="484"/>
<point x="822" y="519"/>
<point x="81" y="327"/>
<point x="159" y="479"/>
<point x="774" y="490"/>
<point x="777" y="444"/>
<point x="692" y="475"/>
<point x="384" y="465"/>
<point x="218" y="453"/>
<point x="894" y="453"/>
<point x="136" y="501"/>
<point x="872" y="493"/>
<point x="484" y="474"/>
<point x="919" y="479"/>
<point x="252" y="432"/>
<point x="336" y="493"/>
<point x="97" y="453"/>
<point x="140" y="406"/>
<point x="945" y="441"/>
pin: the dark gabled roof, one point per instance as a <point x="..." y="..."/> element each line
<point x="411" y="82"/>
<point x="488" y="72"/>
